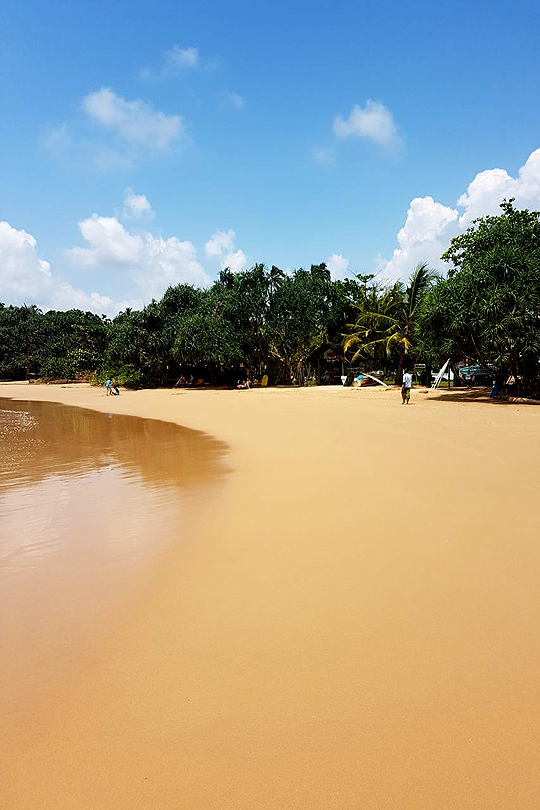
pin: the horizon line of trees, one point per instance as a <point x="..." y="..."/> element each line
<point x="486" y="310"/>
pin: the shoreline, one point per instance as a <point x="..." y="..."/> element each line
<point x="354" y="605"/>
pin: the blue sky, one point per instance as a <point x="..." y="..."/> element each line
<point x="144" y="144"/>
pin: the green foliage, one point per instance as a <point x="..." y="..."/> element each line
<point x="299" y="318"/>
<point x="265" y="320"/>
<point x="129" y="376"/>
<point x="386" y="320"/>
<point x="488" y="308"/>
<point x="202" y="338"/>
<point x="59" y="345"/>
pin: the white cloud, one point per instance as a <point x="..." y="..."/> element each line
<point x="178" y="57"/>
<point x="136" y="205"/>
<point x="324" y="156"/>
<point x="219" y="243"/>
<point x="141" y="260"/>
<point x="109" y="242"/>
<point x="488" y="188"/>
<point x="423" y="238"/>
<point x="430" y="226"/>
<point x="136" y="122"/>
<point x="175" y="61"/>
<point x="221" y="246"/>
<point x="26" y="278"/>
<point x="67" y="150"/>
<point x="374" y="121"/>
<point x="132" y="266"/>
<point x="234" y="261"/>
<point x="21" y="268"/>
<point x="338" y="266"/>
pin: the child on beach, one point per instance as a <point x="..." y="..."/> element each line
<point x="108" y="386"/>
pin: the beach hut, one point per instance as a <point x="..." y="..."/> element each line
<point x="328" y="362"/>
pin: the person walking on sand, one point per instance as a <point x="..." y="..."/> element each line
<point x="406" y="388"/>
<point x="107" y="387"/>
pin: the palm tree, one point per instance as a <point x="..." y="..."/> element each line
<point x="387" y="320"/>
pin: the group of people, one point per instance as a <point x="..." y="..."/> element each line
<point x="190" y="382"/>
<point x="111" y="388"/>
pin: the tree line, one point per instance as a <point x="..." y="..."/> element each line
<point x="485" y="311"/>
<point x="264" y="320"/>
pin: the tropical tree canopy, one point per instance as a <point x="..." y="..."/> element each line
<point x="487" y="310"/>
<point x="265" y="320"/>
<point x="386" y="320"/>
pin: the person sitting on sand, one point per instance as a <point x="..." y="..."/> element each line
<point x="107" y="387"/>
<point x="406" y="388"/>
<point x="115" y="389"/>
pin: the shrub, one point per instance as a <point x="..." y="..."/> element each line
<point x="129" y="376"/>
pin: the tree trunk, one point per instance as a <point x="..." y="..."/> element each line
<point x="399" y="373"/>
<point x="457" y="378"/>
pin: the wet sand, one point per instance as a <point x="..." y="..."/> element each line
<point x="355" y="625"/>
<point x="89" y="502"/>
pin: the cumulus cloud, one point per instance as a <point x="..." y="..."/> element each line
<point x="123" y="132"/>
<point x="135" y="122"/>
<point x="132" y="265"/>
<point x="219" y="243"/>
<point x="424" y="236"/>
<point x="374" y="122"/>
<point x="338" y="266"/>
<point x="136" y="205"/>
<point x="235" y="261"/>
<point x="488" y="188"/>
<point x="26" y="278"/>
<point x="430" y="226"/>
<point x="142" y="261"/>
<point x="221" y="246"/>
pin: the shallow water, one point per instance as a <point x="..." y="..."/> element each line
<point x="88" y="501"/>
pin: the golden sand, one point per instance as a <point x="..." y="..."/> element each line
<point x="355" y="625"/>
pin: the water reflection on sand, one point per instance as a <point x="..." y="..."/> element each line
<point x="87" y="502"/>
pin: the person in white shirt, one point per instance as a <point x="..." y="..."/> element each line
<point x="406" y="388"/>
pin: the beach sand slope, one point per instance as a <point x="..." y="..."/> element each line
<point x="355" y="624"/>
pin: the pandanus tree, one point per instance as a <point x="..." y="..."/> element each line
<point x="386" y="319"/>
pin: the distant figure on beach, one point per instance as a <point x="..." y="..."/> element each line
<point x="116" y="390"/>
<point x="108" y="387"/>
<point x="245" y="384"/>
<point x="406" y="388"/>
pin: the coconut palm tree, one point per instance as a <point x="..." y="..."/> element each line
<point x="386" y="321"/>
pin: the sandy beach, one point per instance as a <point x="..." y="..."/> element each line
<point x="355" y="626"/>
